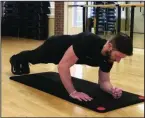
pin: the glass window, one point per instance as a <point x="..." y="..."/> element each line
<point x="123" y="15"/>
<point x="77" y="13"/>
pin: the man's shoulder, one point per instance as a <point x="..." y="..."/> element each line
<point x="86" y="33"/>
<point x="90" y="37"/>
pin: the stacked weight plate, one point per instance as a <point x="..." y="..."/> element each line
<point x="106" y="18"/>
<point x="102" y="21"/>
<point x="34" y="20"/>
<point x="30" y="18"/>
<point x="111" y="20"/>
<point x="10" y="19"/>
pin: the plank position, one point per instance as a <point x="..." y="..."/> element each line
<point x="83" y="48"/>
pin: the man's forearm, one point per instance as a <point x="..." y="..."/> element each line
<point x="104" y="81"/>
<point x="106" y="86"/>
<point x="66" y="79"/>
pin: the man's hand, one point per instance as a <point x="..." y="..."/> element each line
<point x="80" y="96"/>
<point x="116" y="92"/>
<point x="105" y="84"/>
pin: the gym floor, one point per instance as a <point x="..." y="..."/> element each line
<point x="22" y="101"/>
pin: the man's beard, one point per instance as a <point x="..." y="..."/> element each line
<point x="108" y="56"/>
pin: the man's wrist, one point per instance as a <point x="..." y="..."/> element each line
<point x="72" y="93"/>
<point x="107" y="87"/>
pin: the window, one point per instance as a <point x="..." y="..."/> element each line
<point x="52" y="7"/>
<point x="77" y="14"/>
<point x="123" y="15"/>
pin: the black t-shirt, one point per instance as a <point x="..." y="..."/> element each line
<point x="88" y="46"/>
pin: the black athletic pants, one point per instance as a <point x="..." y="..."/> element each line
<point x="51" y="51"/>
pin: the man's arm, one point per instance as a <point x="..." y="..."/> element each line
<point x="104" y="81"/>
<point x="68" y="60"/>
<point x="105" y="85"/>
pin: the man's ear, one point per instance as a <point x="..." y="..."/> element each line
<point x="109" y="46"/>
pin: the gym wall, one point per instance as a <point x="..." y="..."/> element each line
<point x="51" y="19"/>
<point x="63" y="19"/>
<point x="0" y="15"/>
<point x="68" y="19"/>
<point x="59" y="18"/>
<point x="56" y="19"/>
<point x="138" y="19"/>
<point x="68" y="16"/>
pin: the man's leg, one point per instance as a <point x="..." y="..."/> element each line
<point x="42" y="54"/>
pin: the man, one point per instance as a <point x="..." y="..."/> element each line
<point x="83" y="48"/>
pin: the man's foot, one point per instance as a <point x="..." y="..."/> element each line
<point x="19" y="66"/>
<point x="116" y="92"/>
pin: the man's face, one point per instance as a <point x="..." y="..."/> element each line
<point x="116" y="56"/>
<point x="113" y="54"/>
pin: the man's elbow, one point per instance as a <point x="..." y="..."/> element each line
<point x="62" y="67"/>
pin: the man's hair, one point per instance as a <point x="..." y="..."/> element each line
<point x="123" y="43"/>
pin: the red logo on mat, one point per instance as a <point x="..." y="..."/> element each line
<point x="141" y="97"/>
<point x="100" y="108"/>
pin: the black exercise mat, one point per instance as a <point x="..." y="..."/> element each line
<point x="50" y="82"/>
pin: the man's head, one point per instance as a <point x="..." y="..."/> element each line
<point x="118" y="47"/>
